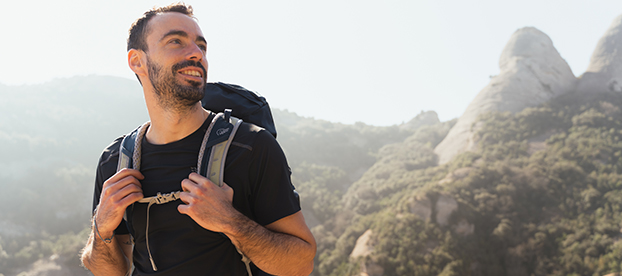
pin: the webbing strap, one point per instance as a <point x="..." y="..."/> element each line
<point x="214" y="172"/>
<point x="158" y="199"/>
<point x="246" y="261"/>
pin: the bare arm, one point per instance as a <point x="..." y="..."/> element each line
<point x="285" y="247"/>
<point x="113" y="258"/>
<point x="107" y="258"/>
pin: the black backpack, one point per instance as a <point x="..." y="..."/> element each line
<point x="231" y="102"/>
<point x="245" y="104"/>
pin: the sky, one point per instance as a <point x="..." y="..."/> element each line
<point x="376" y="62"/>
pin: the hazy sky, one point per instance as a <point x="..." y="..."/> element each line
<point x="377" y="62"/>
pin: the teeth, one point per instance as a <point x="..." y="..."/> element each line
<point x="192" y="73"/>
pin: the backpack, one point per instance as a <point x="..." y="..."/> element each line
<point x="252" y="107"/>
<point x="246" y="105"/>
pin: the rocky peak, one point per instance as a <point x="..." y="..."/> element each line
<point x="423" y="119"/>
<point x="604" y="72"/>
<point x="531" y="73"/>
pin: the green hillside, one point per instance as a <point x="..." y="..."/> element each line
<point x="51" y="136"/>
<point x="541" y="196"/>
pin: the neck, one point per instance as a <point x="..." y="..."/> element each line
<point x="173" y="125"/>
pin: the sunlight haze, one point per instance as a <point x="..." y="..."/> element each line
<point x="377" y="62"/>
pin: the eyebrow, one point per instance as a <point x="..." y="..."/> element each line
<point x="182" y="34"/>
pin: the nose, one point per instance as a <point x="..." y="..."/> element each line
<point x="195" y="52"/>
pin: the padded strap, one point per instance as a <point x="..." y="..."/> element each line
<point x="216" y="164"/>
<point x="130" y="149"/>
<point x="131" y="145"/>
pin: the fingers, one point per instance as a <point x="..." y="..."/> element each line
<point x="207" y="204"/>
<point x="228" y="190"/>
<point x="128" y="194"/>
<point x="197" y="178"/>
<point x="184" y="208"/>
<point x="196" y="182"/>
<point x="118" y="192"/>
<point x="123" y="187"/>
<point x="123" y="173"/>
<point x="197" y="188"/>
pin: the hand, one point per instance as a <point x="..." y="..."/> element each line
<point x="118" y="192"/>
<point x="207" y="204"/>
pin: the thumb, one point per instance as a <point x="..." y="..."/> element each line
<point x="227" y="189"/>
<point x="183" y="209"/>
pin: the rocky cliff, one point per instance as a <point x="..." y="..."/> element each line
<point x="604" y="72"/>
<point x="531" y="72"/>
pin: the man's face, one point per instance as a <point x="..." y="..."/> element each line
<point x="176" y="59"/>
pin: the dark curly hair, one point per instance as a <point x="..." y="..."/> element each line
<point x="138" y="30"/>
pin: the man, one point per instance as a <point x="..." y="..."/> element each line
<point x="198" y="234"/>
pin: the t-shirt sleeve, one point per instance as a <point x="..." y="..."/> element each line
<point x="274" y="195"/>
<point x="107" y="167"/>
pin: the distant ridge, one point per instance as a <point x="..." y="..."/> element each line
<point x="422" y="119"/>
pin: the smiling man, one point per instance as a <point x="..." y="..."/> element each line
<point x="256" y="211"/>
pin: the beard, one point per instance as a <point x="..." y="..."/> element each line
<point x="170" y="92"/>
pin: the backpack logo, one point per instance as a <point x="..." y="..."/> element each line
<point x="222" y="131"/>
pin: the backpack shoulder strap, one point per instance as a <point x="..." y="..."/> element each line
<point x="215" y="169"/>
<point x="129" y="150"/>
<point x="216" y="143"/>
<point x="218" y="154"/>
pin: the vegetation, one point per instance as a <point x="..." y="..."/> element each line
<point x="22" y="251"/>
<point x="540" y="197"/>
<point x="52" y="135"/>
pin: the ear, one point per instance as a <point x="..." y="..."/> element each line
<point x="136" y="62"/>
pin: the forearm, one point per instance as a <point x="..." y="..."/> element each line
<point x="275" y="253"/>
<point x="104" y="258"/>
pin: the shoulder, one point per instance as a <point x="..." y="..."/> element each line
<point x="110" y="154"/>
<point x="254" y="136"/>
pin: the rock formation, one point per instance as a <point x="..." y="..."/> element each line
<point x="531" y="72"/>
<point x="604" y="72"/>
<point x="363" y="249"/>
<point x="427" y="118"/>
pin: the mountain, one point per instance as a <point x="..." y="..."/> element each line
<point x="529" y="181"/>
<point x="51" y="136"/>
<point x="604" y="72"/>
<point x="531" y="72"/>
<point x="327" y="158"/>
<point x="518" y="205"/>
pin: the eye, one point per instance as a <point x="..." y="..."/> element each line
<point x="175" y="41"/>
<point x="203" y="48"/>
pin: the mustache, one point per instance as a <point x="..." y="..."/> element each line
<point x="188" y="63"/>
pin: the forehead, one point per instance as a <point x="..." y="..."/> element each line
<point x="162" y="24"/>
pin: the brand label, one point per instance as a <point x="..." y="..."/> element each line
<point x="222" y="131"/>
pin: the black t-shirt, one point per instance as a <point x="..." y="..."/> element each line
<point x="255" y="168"/>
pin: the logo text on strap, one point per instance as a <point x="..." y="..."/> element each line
<point x="222" y="131"/>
